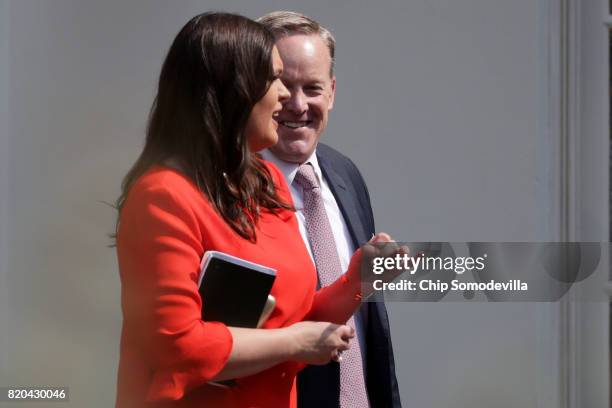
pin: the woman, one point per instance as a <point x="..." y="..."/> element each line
<point x="199" y="186"/>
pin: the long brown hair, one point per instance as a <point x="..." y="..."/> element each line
<point x="217" y="68"/>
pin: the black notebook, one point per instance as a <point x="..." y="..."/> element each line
<point x="233" y="290"/>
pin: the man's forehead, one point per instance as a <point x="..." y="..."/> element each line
<point x="304" y="44"/>
<point x="306" y="53"/>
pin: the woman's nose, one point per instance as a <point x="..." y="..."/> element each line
<point x="283" y="92"/>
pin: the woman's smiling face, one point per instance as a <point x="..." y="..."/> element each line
<point x="262" y="125"/>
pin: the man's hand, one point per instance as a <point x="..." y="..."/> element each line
<point x="361" y="266"/>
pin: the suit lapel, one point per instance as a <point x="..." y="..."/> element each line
<point x="346" y="202"/>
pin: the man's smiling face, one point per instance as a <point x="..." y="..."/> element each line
<point x="307" y="76"/>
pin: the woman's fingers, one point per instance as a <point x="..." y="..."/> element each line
<point x="346" y="333"/>
<point x="320" y="342"/>
<point x="337" y="356"/>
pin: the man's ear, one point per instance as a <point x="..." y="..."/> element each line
<point x="333" y="93"/>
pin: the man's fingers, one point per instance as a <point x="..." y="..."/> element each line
<point x="381" y="237"/>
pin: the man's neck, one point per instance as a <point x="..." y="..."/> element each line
<point x="288" y="168"/>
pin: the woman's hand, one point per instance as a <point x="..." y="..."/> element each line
<point x="319" y="342"/>
<point x="255" y="350"/>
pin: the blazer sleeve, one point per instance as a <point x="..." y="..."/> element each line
<point x="159" y="248"/>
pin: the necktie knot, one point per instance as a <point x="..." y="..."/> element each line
<point x="306" y="177"/>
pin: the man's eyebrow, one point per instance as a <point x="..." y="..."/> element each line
<point x="315" y="82"/>
<point x="315" y="79"/>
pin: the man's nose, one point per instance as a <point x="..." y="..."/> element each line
<point x="296" y="103"/>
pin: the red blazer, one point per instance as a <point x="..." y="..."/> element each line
<point x="168" y="354"/>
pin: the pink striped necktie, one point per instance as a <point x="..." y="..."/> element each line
<point x="352" y="384"/>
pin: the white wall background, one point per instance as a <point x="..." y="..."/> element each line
<point x="439" y="103"/>
<point x="4" y="180"/>
<point x="594" y="355"/>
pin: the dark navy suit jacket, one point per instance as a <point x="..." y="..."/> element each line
<point x="319" y="386"/>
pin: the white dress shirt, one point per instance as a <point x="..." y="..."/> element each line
<point x="344" y="243"/>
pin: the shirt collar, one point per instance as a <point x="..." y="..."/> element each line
<point x="290" y="169"/>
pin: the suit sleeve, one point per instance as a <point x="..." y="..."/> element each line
<point x="159" y="250"/>
<point x="366" y="204"/>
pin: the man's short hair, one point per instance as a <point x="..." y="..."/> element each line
<point x="286" y="23"/>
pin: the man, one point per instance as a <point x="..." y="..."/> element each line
<point x="307" y="51"/>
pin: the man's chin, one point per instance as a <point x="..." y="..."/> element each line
<point x="293" y="152"/>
